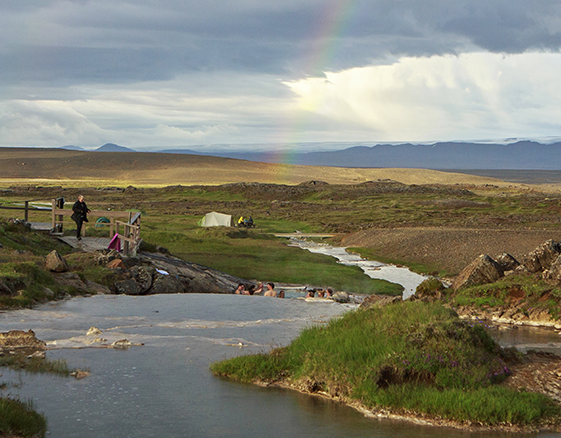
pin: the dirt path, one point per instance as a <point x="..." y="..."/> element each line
<point x="449" y="249"/>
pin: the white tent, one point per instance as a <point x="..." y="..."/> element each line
<point x="214" y="219"/>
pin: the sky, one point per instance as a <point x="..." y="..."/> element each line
<point x="242" y="74"/>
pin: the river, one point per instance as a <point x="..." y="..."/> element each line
<point x="164" y="388"/>
<point x="377" y="270"/>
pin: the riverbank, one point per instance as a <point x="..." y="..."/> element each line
<point x="414" y="361"/>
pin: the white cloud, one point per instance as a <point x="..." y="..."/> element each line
<point x="473" y="95"/>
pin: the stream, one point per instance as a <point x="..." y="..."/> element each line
<point x="163" y="387"/>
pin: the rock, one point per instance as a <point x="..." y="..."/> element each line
<point x="122" y="343"/>
<point x="194" y="278"/>
<point x="48" y="292"/>
<point x="115" y="263"/>
<point x="93" y="331"/>
<point x="143" y="275"/>
<point x="379" y="301"/>
<point x="55" y="262"/>
<point x="482" y="270"/>
<point x="71" y="279"/>
<point x="21" y="339"/>
<point x="105" y="256"/>
<point x="37" y="354"/>
<point x="166" y="284"/>
<point x="542" y="257"/>
<point x="80" y="374"/>
<point x="507" y="262"/>
<point x="127" y="287"/>
<point x="340" y="297"/>
<point x="96" y="288"/>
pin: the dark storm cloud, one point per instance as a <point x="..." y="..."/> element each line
<point x="84" y="41"/>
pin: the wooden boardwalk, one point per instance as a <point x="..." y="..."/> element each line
<point x="41" y="226"/>
<point x="87" y="244"/>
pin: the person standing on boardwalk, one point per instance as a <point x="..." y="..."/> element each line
<point x="80" y="214"/>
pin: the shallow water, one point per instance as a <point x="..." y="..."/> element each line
<point x="377" y="270"/>
<point x="165" y="389"/>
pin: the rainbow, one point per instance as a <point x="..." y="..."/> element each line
<point x="331" y="26"/>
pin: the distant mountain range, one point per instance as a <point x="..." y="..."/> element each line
<point x="107" y="147"/>
<point x="450" y="155"/>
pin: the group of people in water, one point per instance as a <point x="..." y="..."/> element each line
<point x="269" y="291"/>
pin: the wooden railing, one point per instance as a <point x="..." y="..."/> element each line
<point x="131" y="232"/>
<point x="27" y="208"/>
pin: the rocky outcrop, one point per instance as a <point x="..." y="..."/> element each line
<point x="379" y="301"/>
<point x="481" y="271"/>
<point x="20" y="339"/>
<point x="55" y="262"/>
<point x="514" y="313"/>
<point x="542" y="257"/>
<point x="544" y="260"/>
<point x="167" y="284"/>
<point x="553" y="274"/>
<point x="151" y="273"/>
<point x="507" y="262"/>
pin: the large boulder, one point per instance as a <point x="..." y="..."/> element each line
<point x="55" y="262"/>
<point x="482" y="270"/>
<point x="127" y="287"/>
<point x="542" y="257"/>
<point x="166" y="284"/>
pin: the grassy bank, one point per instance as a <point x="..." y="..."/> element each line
<point x="412" y="358"/>
<point x="254" y="255"/>
<point x="18" y="418"/>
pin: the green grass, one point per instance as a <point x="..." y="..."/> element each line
<point x="35" y="365"/>
<point x="253" y="255"/>
<point x="412" y="357"/>
<point x="19" y="418"/>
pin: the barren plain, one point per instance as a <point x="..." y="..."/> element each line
<point x="447" y="247"/>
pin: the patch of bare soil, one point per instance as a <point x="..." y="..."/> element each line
<point x="537" y="372"/>
<point x="449" y="249"/>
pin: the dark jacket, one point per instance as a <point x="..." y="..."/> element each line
<point x="81" y="211"/>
